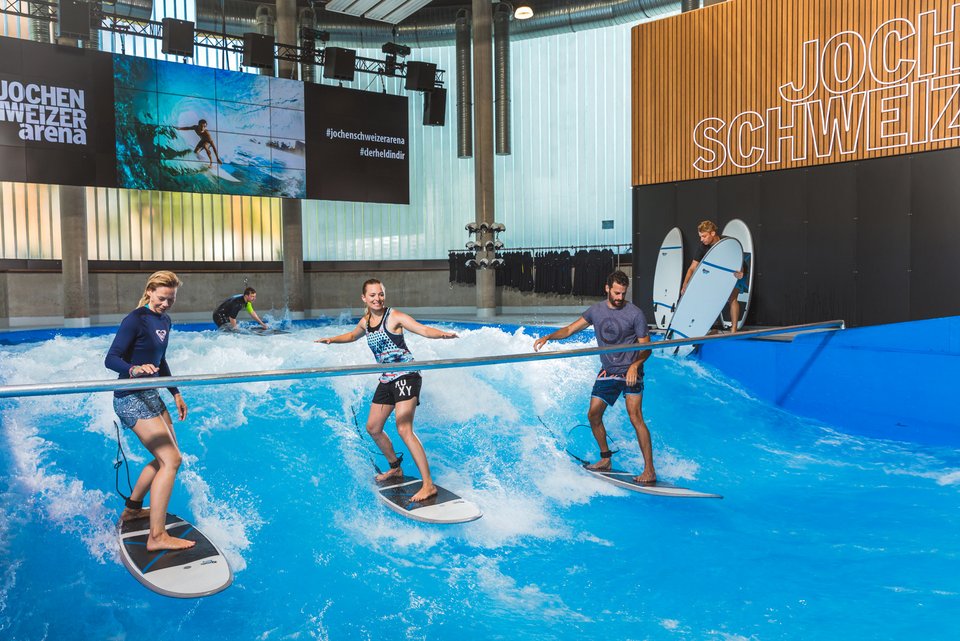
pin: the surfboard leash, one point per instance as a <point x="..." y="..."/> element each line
<point x="356" y="424"/>
<point x="121" y="459"/>
<point x="557" y="438"/>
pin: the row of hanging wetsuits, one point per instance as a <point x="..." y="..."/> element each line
<point x="583" y="273"/>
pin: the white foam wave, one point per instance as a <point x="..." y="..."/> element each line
<point x="64" y="500"/>
<point x="483" y="573"/>
<point x="230" y="523"/>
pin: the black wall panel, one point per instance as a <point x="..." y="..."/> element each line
<point x="696" y="201"/>
<point x="868" y="242"/>
<point x="831" y="260"/>
<point x="883" y="240"/>
<point x="935" y="210"/>
<point x="654" y="211"/>
<point x="781" y="241"/>
<point x="739" y="197"/>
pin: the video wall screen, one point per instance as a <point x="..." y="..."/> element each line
<point x="77" y="117"/>
<point x="358" y="144"/>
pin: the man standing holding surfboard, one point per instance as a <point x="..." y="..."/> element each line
<point x="616" y="322"/>
<point x="709" y="236"/>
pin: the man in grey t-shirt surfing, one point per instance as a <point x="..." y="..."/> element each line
<point x="616" y="322"/>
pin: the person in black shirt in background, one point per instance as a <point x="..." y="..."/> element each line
<point x="709" y="236"/>
<point x="225" y="316"/>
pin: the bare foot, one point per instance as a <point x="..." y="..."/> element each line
<point x="129" y="514"/>
<point x="167" y="542"/>
<point x="648" y="476"/>
<point x="425" y="492"/>
<point x="600" y="466"/>
<point x="393" y="472"/>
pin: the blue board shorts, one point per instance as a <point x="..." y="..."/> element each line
<point x="608" y="387"/>
<point x="139" y="405"/>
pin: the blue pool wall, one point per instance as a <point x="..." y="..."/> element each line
<point x="898" y="381"/>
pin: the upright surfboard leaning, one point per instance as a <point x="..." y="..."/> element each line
<point x="707" y="293"/>
<point x="738" y="229"/>
<point x="443" y="507"/>
<point x="667" y="278"/>
<point x="197" y="571"/>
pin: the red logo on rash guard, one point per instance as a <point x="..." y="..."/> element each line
<point x="162" y="334"/>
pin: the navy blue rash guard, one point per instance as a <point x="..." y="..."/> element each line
<point x="142" y="338"/>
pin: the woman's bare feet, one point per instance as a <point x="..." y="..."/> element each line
<point x="600" y="466"/>
<point x="648" y="476"/>
<point x="167" y="542"/>
<point x="129" y="514"/>
<point x="425" y="492"/>
<point x="393" y="472"/>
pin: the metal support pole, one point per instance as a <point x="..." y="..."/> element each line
<point x="287" y="34"/>
<point x="483" y="148"/>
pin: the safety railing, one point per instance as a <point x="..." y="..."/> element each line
<point x="83" y="387"/>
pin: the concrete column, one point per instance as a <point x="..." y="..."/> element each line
<point x="483" y="147"/>
<point x="73" y="242"/>
<point x="4" y="297"/>
<point x="291" y="212"/>
<point x="287" y="34"/>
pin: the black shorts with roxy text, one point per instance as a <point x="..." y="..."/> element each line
<point x="397" y="390"/>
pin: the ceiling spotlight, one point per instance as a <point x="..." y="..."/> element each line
<point x="306" y="33"/>
<point x="394" y="49"/>
<point x="524" y="11"/>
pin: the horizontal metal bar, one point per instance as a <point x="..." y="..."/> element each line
<point x="82" y="387"/>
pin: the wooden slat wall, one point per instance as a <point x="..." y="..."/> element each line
<point x="731" y="59"/>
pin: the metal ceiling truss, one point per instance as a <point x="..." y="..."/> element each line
<point x="113" y="23"/>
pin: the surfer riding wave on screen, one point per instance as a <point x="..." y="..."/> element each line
<point x="397" y="391"/>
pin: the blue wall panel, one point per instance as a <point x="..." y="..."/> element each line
<point x="893" y="381"/>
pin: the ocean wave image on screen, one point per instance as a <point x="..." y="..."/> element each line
<point x="184" y="128"/>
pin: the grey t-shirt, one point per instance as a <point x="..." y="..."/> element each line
<point x="616" y="327"/>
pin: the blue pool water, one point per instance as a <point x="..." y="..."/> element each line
<point x="821" y="535"/>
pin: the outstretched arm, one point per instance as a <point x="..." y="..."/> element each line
<point x="560" y="334"/>
<point x="686" y="279"/>
<point x="255" y="317"/>
<point x="349" y="337"/>
<point x="410" y="324"/>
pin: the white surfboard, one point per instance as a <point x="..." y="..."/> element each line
<point x="668" y="278"/>
<point x="443" y="507"/>
<point x="738" y="229"/>
<point x="657" y="488"/>
<point x="186" y="574"/>
<point x="224" y="173"/>
<point x="707" y="293"/>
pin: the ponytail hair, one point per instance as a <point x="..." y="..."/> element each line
<point x="363" y="291"/>
<point x="158" y="279"/>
